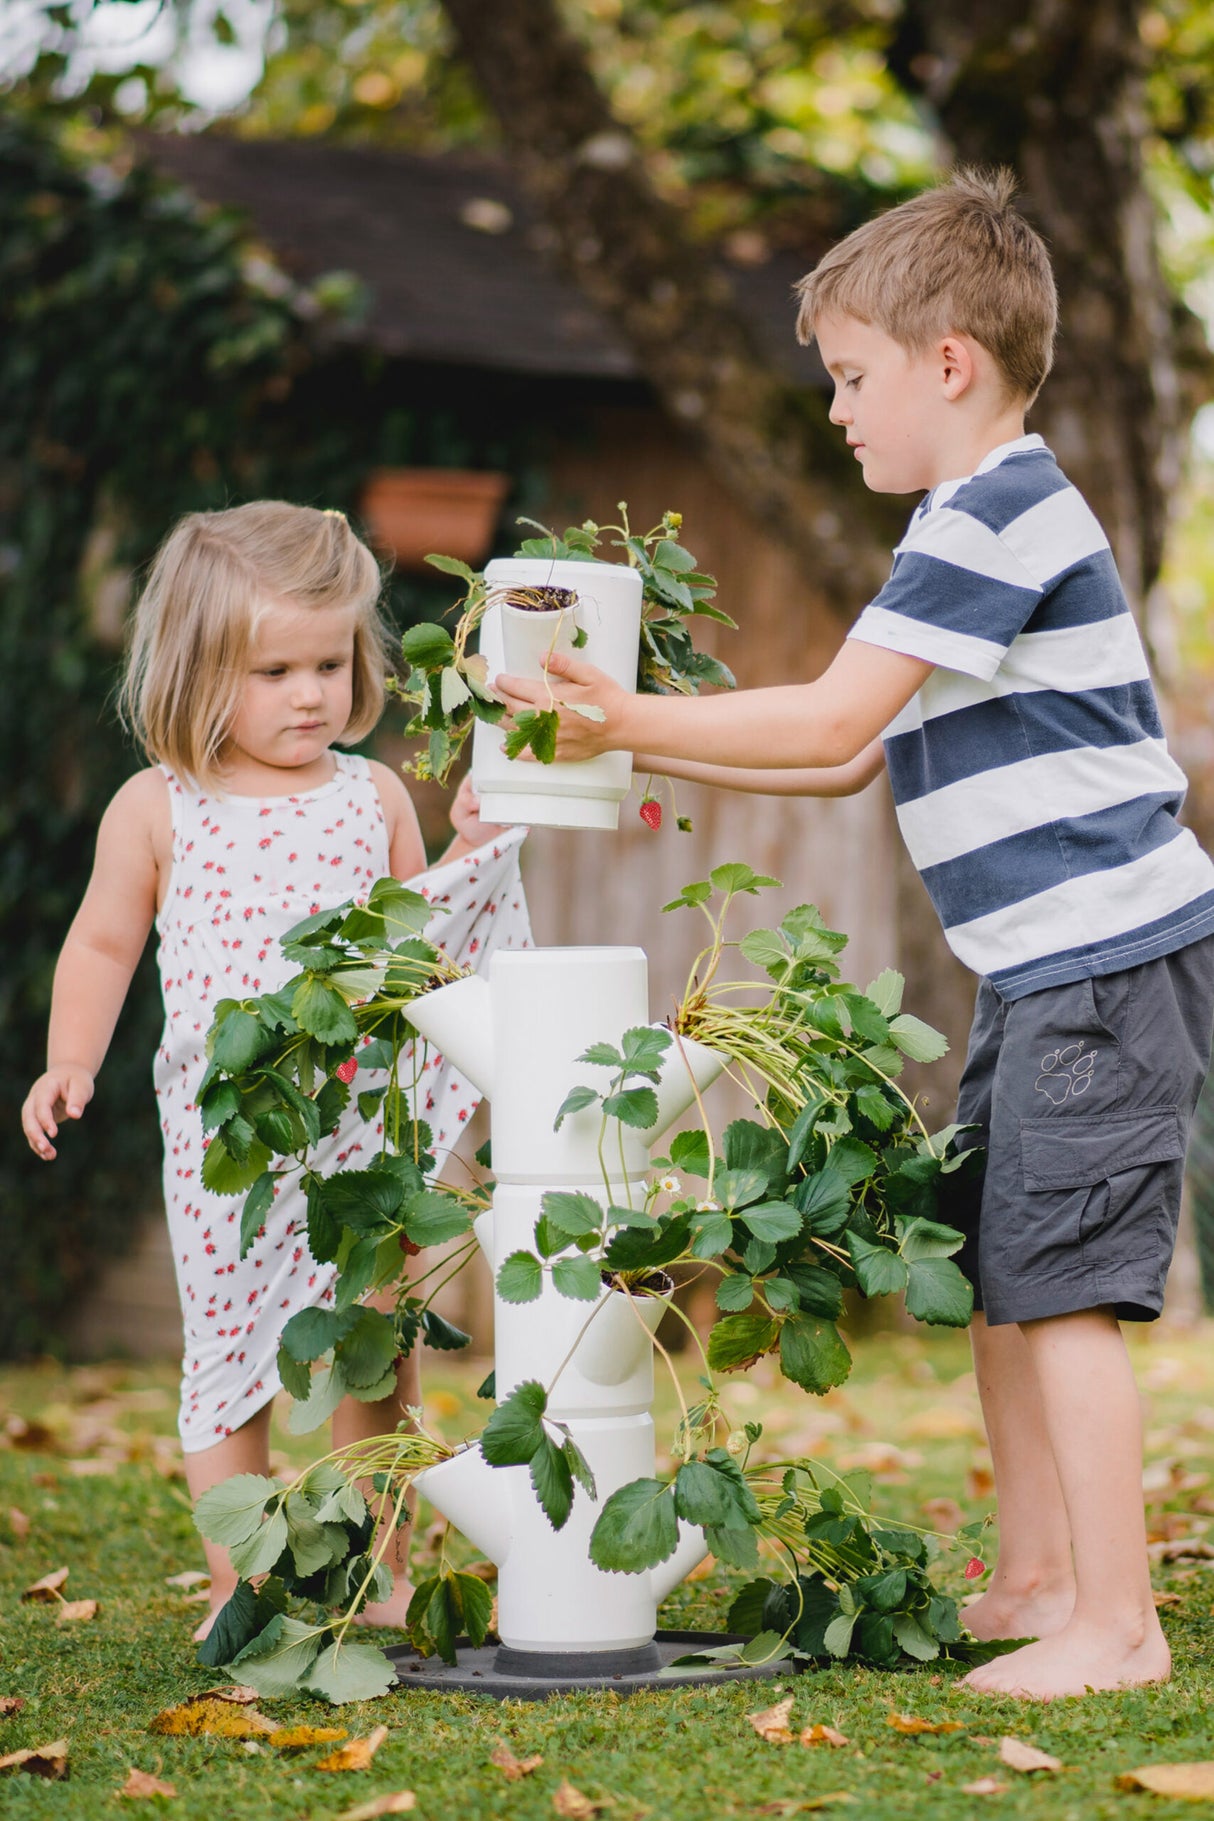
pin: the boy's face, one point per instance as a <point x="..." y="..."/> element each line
<point x="894" y="406"/>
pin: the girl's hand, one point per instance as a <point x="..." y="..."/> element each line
<point x="62" y="1093"/>
<point x="466" y="816"/>
<point x="571" y="685"/>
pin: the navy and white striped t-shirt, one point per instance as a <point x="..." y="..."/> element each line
<point x="1032" y="781"/>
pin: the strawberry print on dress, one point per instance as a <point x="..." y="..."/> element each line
<point x="246" y="869"/>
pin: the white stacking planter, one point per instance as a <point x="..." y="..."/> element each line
<point x="517" y="1034"/>
<point x="587" y="794"/>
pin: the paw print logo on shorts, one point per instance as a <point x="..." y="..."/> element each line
<point x="1065" y="1074"/>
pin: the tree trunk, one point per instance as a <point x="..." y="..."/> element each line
<point x="630" y="252"/>
<point x="1054" y="88"/>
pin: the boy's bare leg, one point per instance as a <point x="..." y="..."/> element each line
<point x="358" y="1422"/>
<point x="246" y="1450"/>
<point x="1092" y="1414"/>
<point x="1032" y="1590"/>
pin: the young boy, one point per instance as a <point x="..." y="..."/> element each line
<point x="1003" y="672"/>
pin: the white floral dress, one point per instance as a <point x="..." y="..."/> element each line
<point x="244" y="870"/>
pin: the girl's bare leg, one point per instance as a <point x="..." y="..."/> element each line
<point x="1032" y="1590"/>
<point x="246" y="1450"/>
<point x="357" y="1422"/>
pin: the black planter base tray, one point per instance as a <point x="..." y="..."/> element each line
<point x="536" y="1677"/>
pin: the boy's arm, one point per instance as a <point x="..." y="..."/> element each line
<point x="827" y="722"/>
<point x="99" y="956"/>
<point x="800" y="781"/>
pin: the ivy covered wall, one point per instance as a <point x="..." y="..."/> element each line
<point x="152" y="362"/>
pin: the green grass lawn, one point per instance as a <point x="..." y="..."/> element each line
<point x="90" y="1480"/>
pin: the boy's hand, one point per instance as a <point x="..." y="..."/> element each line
<point x="574" y="685"/>
<point x="62" y="1093"/>
<point x="466" y="816"/>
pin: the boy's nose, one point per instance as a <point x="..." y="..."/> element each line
<point x="839" y="414"/>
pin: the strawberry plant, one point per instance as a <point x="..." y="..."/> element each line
<point x="832" y="1186"/>
<point x="446" y="684"/>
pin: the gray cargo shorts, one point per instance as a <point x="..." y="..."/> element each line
<point x="1083" y="1095"/>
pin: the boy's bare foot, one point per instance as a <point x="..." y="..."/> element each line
<point x="391" y="1611"/>
<point x="1080" y="1659"/>
<point x="1002" y="1612"/>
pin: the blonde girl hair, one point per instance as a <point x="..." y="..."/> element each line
<point x="957" y="259"/>
<point x="196" y="622"/>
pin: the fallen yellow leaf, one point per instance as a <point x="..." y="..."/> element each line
<point x="985" y="1786"/>
<point x="823" y="1735"/>
<point x="142" y="1783"/>
<point x="295" y="1738"/>
<point x="357" y="1755"/>
<point x="398" y="1803"/>
<point x="48" y="1588"/>
<point x="772" y="1723"/>
<point x="238" y="1692"/>
<point x="189" y="1577"/>
<point x="11" y="1704"/>
<point x="1167" y="1599"/>
<point x="911" y="1723"/>
<point x="573" y="1805"/>
<point x="49" y="1761"/>
<point x="513" y="1768"/>
<point x="1018" y="1755"/>
<point x="213" y="1714"/>
<point x="1187" y="1782"/>
<point x="71" y="1611"/>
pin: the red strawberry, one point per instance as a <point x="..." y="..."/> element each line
<point x="408" y="1248"/>
<point x="974" y="1568"/>
<point x="651" y="813"/>
<point x="347" y="1070"/>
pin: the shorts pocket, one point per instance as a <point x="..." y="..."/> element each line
<point x="1072" y="1153"/>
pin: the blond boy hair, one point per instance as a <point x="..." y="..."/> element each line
<point x="958" y="259"/>
<point x="196" y="622"/>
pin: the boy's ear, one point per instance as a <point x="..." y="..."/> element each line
<point x="956" y="365"/>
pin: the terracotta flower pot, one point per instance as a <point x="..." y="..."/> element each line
<point x="410" y="512"/>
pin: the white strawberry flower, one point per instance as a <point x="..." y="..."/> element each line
<point x="669" y="1185"/>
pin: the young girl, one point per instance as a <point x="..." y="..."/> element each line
<point x="257" y="645"/>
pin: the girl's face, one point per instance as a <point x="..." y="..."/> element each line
<point x="298" y="692"/>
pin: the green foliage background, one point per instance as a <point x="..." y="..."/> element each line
<point x="151" y="363"/>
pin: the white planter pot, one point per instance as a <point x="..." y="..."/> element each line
<point x="587" y="794"/>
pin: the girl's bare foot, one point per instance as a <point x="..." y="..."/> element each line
<point x="1080" y="1659"/>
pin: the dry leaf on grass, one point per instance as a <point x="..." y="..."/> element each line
<point x="513" y="1768"/>
<point x="297" y="1738"/>
<point x="399" y="1802"/>
<point x="72" y="1611"/>
<point x="239" y="1693"/>
<point x="213" y="1714"/>
<point x="772" y="1723"/>
<point x="18" y="1523"/>
<point x="189" y="1577"/>
<point x="985" y="1786"/>
<point x="1184" y="1549"/>
<point x="141" y="1783"/>
<point x="1018" y="1755"/>
<point x="911" y="1723"/>
<point x="1186" y="1782"/>
<point x="11" y="1704"/>
<point x="823" y="1735"/>
<point x="806" y="1805"/>
<point x="574" y="1806"/>
<point x="1167" y="1599"/>
<point x="357" y="1755"/>
<point x="49" y="1761"/>
<point x="48" y="1589"/>
<point x="943" y="1514"/>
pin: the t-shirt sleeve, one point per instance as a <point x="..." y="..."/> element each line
<point x="957" y="596"/>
